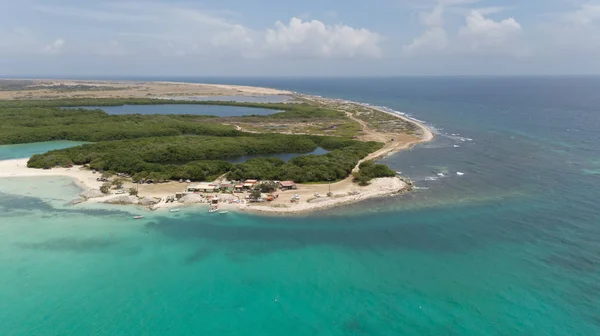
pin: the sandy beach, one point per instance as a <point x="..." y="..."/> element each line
<point x="312" y="197"/>
<point x="52" y="89"/>
<point x="84" y="178"/>
<point x="344" y="192"/>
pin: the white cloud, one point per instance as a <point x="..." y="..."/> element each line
<point x="584" y="15"/>
<point x="301" y="39"/>
<point x="186" y="28"/>
<point x="316" y="39"/>
<point x="490" y="10"/>
<point x="481" y="34"/>
<point x="434" y="38"/>
<point x="237" y="39"/>
<point x="434" y="18"/>
<point x="55" y="47"/>
<point x="575" y="33"/>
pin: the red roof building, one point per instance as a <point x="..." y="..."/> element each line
<point x="287" y="185"/>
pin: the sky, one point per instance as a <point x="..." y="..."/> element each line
<point x="299" y="38"/>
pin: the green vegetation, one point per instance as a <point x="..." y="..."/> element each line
<point x="105" y="188"/>
<point x="30" y="85"/>
<point x="200" y="158"/>
<point x="370" y="170"/>
<point x="267" y="187"/>
<point x="14" y="84"/>
<point x="118" y="183"/>
<point x="165" y="147"/>
<point x="291" y="110"/>
<point x="36" y="124"/>
<point x="133" y="191"/>
<point x="335" y="165"/>
<point x="25" y="121"/>
<point x="255" y="194"/>
<point x="384" y="122"/>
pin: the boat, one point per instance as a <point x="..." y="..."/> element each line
<point x="213" y="210"/>
<point x="398" y="173"/>
<point x="460" y="174"/>
<point x="174" y="210"/>
<point x="223" y="212"/>
<point x="138" y="217"/>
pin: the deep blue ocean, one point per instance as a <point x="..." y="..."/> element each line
<point x="511" y="246"/>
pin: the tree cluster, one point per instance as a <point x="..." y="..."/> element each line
<point x="26" y="121"/>
<point x="165" y="147"/>
<point x="370" y="170"/>
<point x="202" y="158"/>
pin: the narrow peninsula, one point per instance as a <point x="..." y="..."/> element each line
<point x="167" y="160"/>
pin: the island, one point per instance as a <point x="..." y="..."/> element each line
<point x="167" y="160"/>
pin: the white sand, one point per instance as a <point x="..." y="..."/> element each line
<point x="132" y="89"/>
<point x="240" y="89"/>
<point x="344" y="191"/>
<point x="84" y="178"/>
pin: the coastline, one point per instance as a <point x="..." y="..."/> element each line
<point x="344" y="192"/>
<point x="43" y="89"/>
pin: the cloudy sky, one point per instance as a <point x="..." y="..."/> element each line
<point x="290" y="38"/>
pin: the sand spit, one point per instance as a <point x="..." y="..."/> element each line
<point x="54" y="88"/>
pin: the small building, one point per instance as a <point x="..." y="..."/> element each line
<point x="238" y="187"/>
<point x="226" y="187"/>
<point x="287" y="185"/>
<point x="203" y="187"/>
<point x="249" y="185"/>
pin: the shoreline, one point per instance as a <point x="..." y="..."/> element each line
<point x="344" y="191"/>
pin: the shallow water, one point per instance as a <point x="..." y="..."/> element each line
<point x="509" y="248"/>
<point x="27" y="150"/>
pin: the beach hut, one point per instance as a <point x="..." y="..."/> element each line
<point x="287" y="185"/>
<point x="203" y="187"/>
<point x="249" y="185"/>
<point x="238" y="187"/>
<point x="226" y="187"/>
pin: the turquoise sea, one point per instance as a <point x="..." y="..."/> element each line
<point x="511" y="247"/>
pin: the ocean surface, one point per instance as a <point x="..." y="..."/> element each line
<point x="511" y="246"/>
